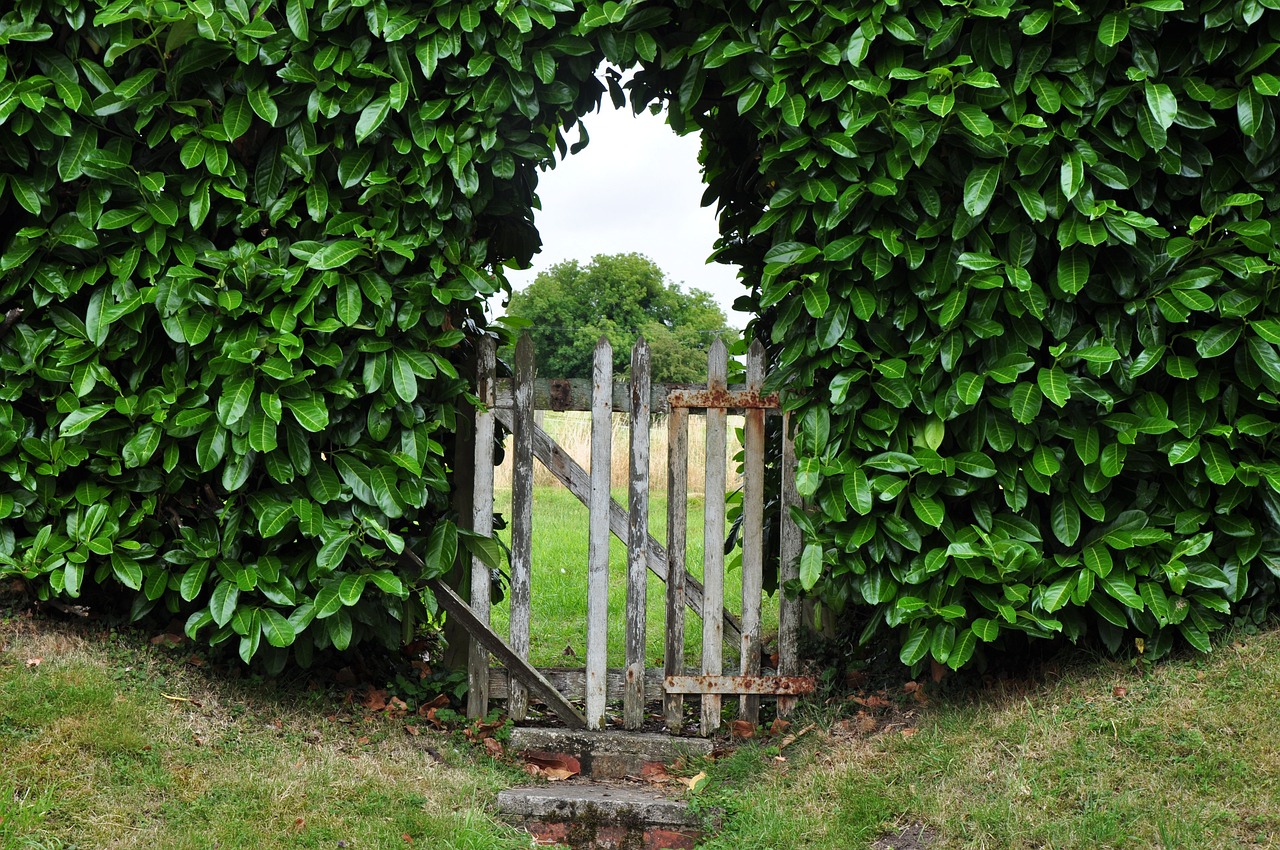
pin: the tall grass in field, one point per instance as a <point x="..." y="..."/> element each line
<point x="559" y="599"/>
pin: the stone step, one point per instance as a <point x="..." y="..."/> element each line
<point x="601" y="816"/>
<point x="609" y="754"/>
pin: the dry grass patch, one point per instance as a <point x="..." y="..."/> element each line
<point x="109" y="744"/>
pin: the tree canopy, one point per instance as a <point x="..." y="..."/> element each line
<point x="620" y="296"/>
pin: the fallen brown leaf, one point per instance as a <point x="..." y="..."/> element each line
<point x="375" y="699"/>
<point x="779" y="726"/>
<point x="363" y="740"/>
<point x="693" y="783"/>
<point x="553" y="762"/>
<point x="555" y="774"/>
<point x="493" y="746"/>
<point x="34" y="662"/>
<point x="743" y="729"/>
<point x="298" y="824"/>
<point x="1119" y="691"/>
<point x="655" y="772"/>
<point x="412" y="730"/>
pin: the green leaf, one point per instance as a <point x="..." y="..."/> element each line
<point x="1065" y="521"/>
<point x="985" y="629"/>
<point x="1122" y="591"/>
<point x="1268" y="329"/>
<point x="793" y="110"/>
<point x="138" y="451"/>
<point x="311" y="413"/>
<point x="1217" y="463"/>
<point x="222" y="604"/>
<point x="916" y="646"/>
<point x="327" y="602"/>
<point x="336" y="254"/>
<point x="351" y="588"/>
<point x="260" y="102"/>
<point x="1218" y="340"/>
<point x="275" y="628"/>
<point x="1071" y="177"/>
<point x="1249" y="111"/>
<point x="371" y="118"/>
<point x="980" y="188"/>
<point x="1073" y="271"/>
<point x="928" y="509"/>
<point x="236" y="117"/>
<point x="1053" y="383"/>
<point x="1114" y="28"/>
<point x="1162" y="102"/>
<point x="340" y="630"/>
<point x="127" y="571"/>
<point x="857" y="491"/>
<point x="1025" y="403"/>
<point x="332" y="553"/>
<point x="808" y="476"/>
<point x="299" y="24"/>
<point x="810" y="565"/>
<point x="442" y="549"/>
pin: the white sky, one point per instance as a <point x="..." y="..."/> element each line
<point x="635" y="187"/>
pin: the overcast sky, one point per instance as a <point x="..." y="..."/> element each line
<point x="635" y="187"/>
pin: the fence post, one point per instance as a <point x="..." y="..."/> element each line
<point x="752" y="533"/>
<point x="598" y="540"/>
<point x="482" y="523"/>
<point x="637" y="540"/>
<point x="788" y="609"/>
<point x="713" y="536"/>
<point x="522" y="518"/>
<point x="677" y="528"/>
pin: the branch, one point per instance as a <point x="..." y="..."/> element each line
<point x="9" y="318"/>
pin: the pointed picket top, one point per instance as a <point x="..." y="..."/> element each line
<point x="756" y="359"/>
<point x="718" y="365"/>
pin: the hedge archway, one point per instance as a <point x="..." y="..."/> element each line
<point x="1015" y="260"/>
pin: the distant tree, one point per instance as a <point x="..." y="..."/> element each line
<point x="619" y="296"/>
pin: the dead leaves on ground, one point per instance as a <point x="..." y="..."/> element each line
<point x="553" y="767"/>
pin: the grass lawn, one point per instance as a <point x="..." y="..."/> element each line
<point x="559" y="599"/>
<point x="106" y="742"/>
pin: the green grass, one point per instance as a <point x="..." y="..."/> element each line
<point x="559" y="597"/>
<point x="110" y="743"/>
<point x="96" y="754"/>
<point x="1187" y="756"/>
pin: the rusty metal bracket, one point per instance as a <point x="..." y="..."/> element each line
<point x="727" y="399"/>
<point x="749" y="685"/>
<point x="561" y="394"/>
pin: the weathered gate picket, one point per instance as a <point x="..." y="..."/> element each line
<point x="512" y="403"/>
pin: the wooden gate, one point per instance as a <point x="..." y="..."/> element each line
<point x="512" y="403"/>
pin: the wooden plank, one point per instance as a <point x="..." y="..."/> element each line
<point x="575" y="478"/>
<point x="713" y="537"/>
<point x="571" y="682"/>
<point x="482" y="523"/>
<point x="481" y="633"/>
<point x="637" y="539"/>
<point x="677" y="529"/>
<point x="575" y="394"/>
<point x="752" y="533"/>
<point x="598" y="538"/>
<point x="788" y="609"/>
<point x="742" y="685"/>
<point x="522" y="517"/>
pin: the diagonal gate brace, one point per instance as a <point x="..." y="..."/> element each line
<point x="574" y="477"/>
<point x="528" y="675"/>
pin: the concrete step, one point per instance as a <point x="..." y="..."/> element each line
<point x="610" y="754"/>
<point x="601" y="816"/>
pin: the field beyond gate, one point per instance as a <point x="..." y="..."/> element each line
<point x="512" y="403"/>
